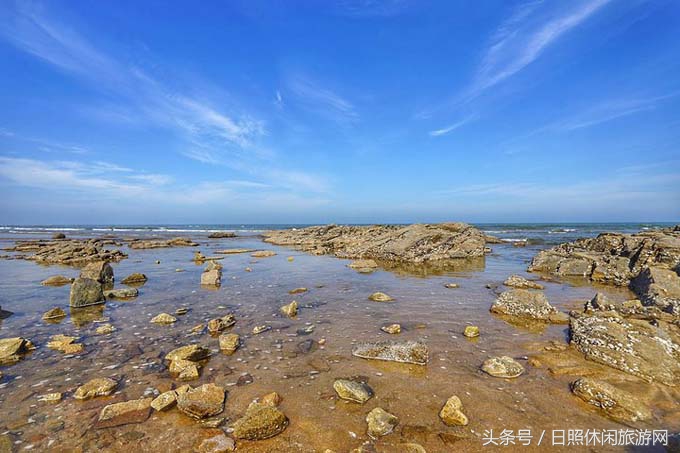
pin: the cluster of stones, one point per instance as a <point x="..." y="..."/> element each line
<point x="70" y="252"/>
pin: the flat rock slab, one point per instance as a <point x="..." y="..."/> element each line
<point x="525" y="304"/>
<point x="261" y="421"/>
<point x="614" y="403"/>
<point x="415" y="352"/>
<point x="202" y="402"/>
<point x="125" y="413"/>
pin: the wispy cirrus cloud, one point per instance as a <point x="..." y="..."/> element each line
<point x="452" y="127"/>
<point x="320" y="100"/>
<point x="525" y="36"/>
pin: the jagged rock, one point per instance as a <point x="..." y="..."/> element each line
<point x="134" y="278"/>
<point x="413" y="243"/>
<point x="358" y="392"/>
<point x="212" y="264"/>
<point x="161" y="243"/>
<point x="13" y="349"/>
<point x="520" y="282"/>
<point x="380" y="423"/>
<point x="522" y="303"/>
<point x="193" y="353"/>
<point x="217" y="325"/>
<point x="290" y="310"/>
<point x="163" y="318"/>
<point x="616" y="404"/>
<point x="127" y="412"/>
<point x="54" y="313"/>
<point x="100" y="271"/>
<point x="56" y="280"/>
<point x="260" y="329"/>
<point x="222" y="234"/>
<point x="229" y="342"/>
<point x="85" y="292"/>
<point x="363" y="266"/>
<point x="452" y="412"/>
<point x="185" y="370"/>
<point x="391" y="329"/>
<point x="659" y="287"/>
<point x="65" y="344"/>
<point x="380" y="297"/>
<point x="471" y="331"/>
<point x="211" y="277"/>
<point x="415" y="352"/>
<point x="271" y="399"/>
<point x="71" y="252"/>
<point x="219" y="443"/>
<point x="202" y="402"/>
<point x="105" y="329"/>
<point x="94" y="388"/>
<point x="263" y="254"/>
<point x="261" y="421"/>
<point x="50" y="398"/>
<point x="164" y="401"/>
<point x="503" y="367"/>
<point x="631" y="345"/>
<point x="121" y="293"/>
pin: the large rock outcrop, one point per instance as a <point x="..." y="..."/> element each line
<point x="71" y="252"/>
<point x="416" y="243"/>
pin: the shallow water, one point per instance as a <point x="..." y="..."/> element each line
<point x="337" y="305"/>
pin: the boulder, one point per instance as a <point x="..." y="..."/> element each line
<point x="58" y="236"/>
<point x="502" y="367"/>
<point x="660" y="287"/>
<point x="452" y="412"/>
<point x="520" y="282"/>
<point x="13" y="349"/>
<point x="100" y="271"/>
<point x="350" y="390"/>
<point x="56" y="280"/>
<point x="415" y="352"/>
<point x="634" y="346"/>
<point x="85" y="292"/>
<point x="127" y="412"/>
<point x="134" y="278"/>
<point x="522" y="303"/>
<point x="212" y="277"/>
<point x="380" y="423"/>
<point x="229" y="342"/>
<point x="94" y="388"/>
<point x="202" y="402"/>
<point x="261" y="421"/>
<point x="616" y="404"/>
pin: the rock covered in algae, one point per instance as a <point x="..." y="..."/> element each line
<point x="229" y="342"/>
<point x="13" y="349"/>
<point x="616" y="404"/>
<point x="54" y="313"/>
<point x="290" y="310"/>
<point x="261" y="421"/>
<point x="452" y="412"/>
<point x="134" y="278"/>
<point x="350" y="390"/>
<point x="202" y="402"/>
<point x="85" y="292"/>
<point x="163" y="318"/>
<point x="94" y="388"/>
<point x="415" y="352"/>
<point x="380" y="423"/>
<point x="502" y="367"/>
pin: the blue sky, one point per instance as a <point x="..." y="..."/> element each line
<point x="339" y="111"/>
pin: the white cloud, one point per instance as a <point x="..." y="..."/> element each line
<point x="322" y="101"/>
<point x="452" y="127"/>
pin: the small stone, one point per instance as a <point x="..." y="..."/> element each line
<point x="219" y="443"/>
<point x="452" y="413"/>
<point x="290" y="310"/>
<point x="306" y="330"/>
<point x="297" y="291"/>
<point x="65" y="344"/>
<point x="248" y="269"/>
<point x="164" y="401"/>
<point x="380" y="297"/>
<point x="260" y="422"/>
<point x="134" y="278"/>
<point x="202" y="402"/>
<point x="181" y="311"/>
<point x="56" y="280"/>
<point x="260" y="329"/>
<point x="363" y="266"/>
<point x="158" y="261"/>
<point x="121" y="293"/>
<point x="271" y="399"/>
<point x="211" y="278"/>
<point x="263" y="254"/>
<point x="50" y="397"/>
<point x="163" y="318"/>
<point x="355" y="391"/>
<point x="471" y="331"/>
<point x="451" y="285"/>
<point x="193" y="353"/>
<point x="391" y="329"/>
<point x="198" y="328"/>
<point x="229" y="342"/>
<point x="503" y="367"/>
<point x="380" y="423"/>
<point x="516" y="281"/>
<point x="217" y="325"/>
<point x="94" y="388"/>
<point x="290" y="259"/>
<point x="54" y="313"/>
<point x="214" y="422"/>
<point x="105" y="329"/>
<point x="133" y="411"/>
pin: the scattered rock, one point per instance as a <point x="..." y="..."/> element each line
<point x="217" y="325"/>
<point x="380" y="423"/>
<point x="380" y="297"/>
<point x="391" y="329"/>
<point x="57" y="280"/>
<point x="522" y="303"/>
<point x="164" y="401"/>
<point x="185" y="370"/>
<point x="65" y="344"/>
<point x="134" y="278"/>
<point x="520" y="282"/>
<point x="271" y="399"/>
<point x="503" y="367"/>
<point x="358" y="392"/>
<point x="127" y="412"/>
<point x="121" y="293"/>
<point x="54" y="313"/>
<point x="222" y="235"/>
<point x="261" y="421"/>
<point x="306" y="330"/>
<point x="13" y="349"/>
<point x="219" y="443"/>
<point x="263" y="254"/>
<point x="202" y="402"/>
<point x="452" y="412"/>
<point x="415" y="352"/>
<point x="100" y="271"/>
<point x="363" y="266"/>
<point x="163" y="318"/>
<point x="290" y="310"/>
<point x="94" y="388"/>
<point x="471" y="331"/>
<point x="260" y="329"/>
<point x="105" y="329"/>
<point x="85" y="292"/>
<point x="229" y="342"/>
<point x="616" y="404"/>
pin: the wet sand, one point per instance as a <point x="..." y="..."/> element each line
<point x="337" y="306"/>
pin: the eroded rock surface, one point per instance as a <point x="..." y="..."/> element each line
<point x="261" y="421"/>
<point x="415" y="352"/>
<point x="522" y="303"/>
<point x="202" y="402"/>
<point x="413" y="243"/>
<point x="71" y="252"/>
<point x="615" y="403"/>
<point x="161" y="243"/>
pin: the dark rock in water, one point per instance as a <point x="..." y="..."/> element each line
<point x="84" y="292"/>
<point x="100" y="271"/>
<point x="121" y="293"/>
<point x="202" y="402"/>
<point x="415" y="352"/>
<point x="616" y="404"/>
<point x="127" y="412"/>
<point x="244" y="379"/>
<point x="134" y="278"/>
<point x="58" y="236"/>
<point x="261" y="421"/>
<point x="4" y="313"/>
<point x="306" y="346"/>
<point x="522" y="303"/>
<point x="222" y="234"/>
<point x="631" y="345"/>
<point x="413" y="243"/>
